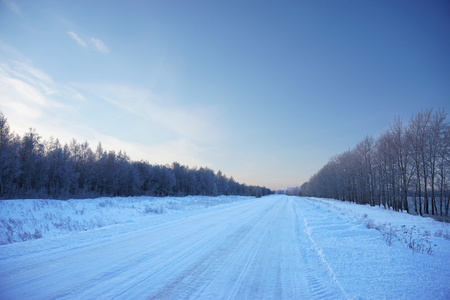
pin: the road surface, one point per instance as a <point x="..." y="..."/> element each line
<point x="269" y="248"/>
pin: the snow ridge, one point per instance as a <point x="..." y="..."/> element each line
<point x="321" y="256"/>
<point x="22" y="220"/>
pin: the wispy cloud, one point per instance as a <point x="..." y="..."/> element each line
<point x="180" y="150"/>
<point x="13" y="6"/>
<point x="77" y="39"/>
<point x="93" y="43"/>
<point x="30" y="75"/>
<point x="29" y="95"/>
<point x="170" y="132"/>
<point x="191" y="123"/>
<point x="23" y="96"/>
<point x="99" y="45"/>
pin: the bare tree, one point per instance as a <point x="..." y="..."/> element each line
<point x="404" y="161"/>
<point x="403" y="155"/>
<point x="436" y="131"/>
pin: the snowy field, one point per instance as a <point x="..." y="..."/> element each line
<point x="22" y="220"/>
<point x="275" y="247"/>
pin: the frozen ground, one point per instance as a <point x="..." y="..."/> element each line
<point x="22" y="220"/>
<point x="276" y="247"/>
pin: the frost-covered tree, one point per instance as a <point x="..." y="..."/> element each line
<point x="30" y="167"/>
<point x="9" y="159"/>
<point x="61" y="176"/>
<point x="33" y="173"/>
<point x="405" y="162"/>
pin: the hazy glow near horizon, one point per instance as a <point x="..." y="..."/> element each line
<point x="264" y="91"/>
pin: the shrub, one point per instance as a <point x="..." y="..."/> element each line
<point x="389" y="233"/>
<point x="154" y="210"/>
<point x="416" y="241"/>
<point x="411" y="238"/>
<point x="37" y="234"/>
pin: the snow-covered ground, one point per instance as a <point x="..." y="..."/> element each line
<point x="22" y="220"/>
<point x="275" y="247"/>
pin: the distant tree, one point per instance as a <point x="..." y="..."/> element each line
<point x="165" y="180"/>
<point x="221" y="183"/>
<point x="418" y="125"/>
<point x="33" y="173"/>
<point x="9" y="159"/>
<point x="293" y="191"/>
<point x="405" y="161"/>
<point x="60" y="169"/>
<point x="437" y="129"/>
<point x="30" y="167"/>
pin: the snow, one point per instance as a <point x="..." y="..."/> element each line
<point x="275" y="247"/>
<point x="22" y="220"/>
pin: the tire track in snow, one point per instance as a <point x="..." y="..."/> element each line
<point x="254" y="250"/>
<point x="162" y="260"/>
<point x="260" y="273"/>
<point x="241" y="244"/>
<point x="260" y="233"/>
<point x="196" y="278"/>
<point x="317" y="288"/>
<point x="113" y="264"/>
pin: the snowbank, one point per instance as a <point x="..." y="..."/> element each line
<point x="22" y="220"/>
<point x="420" y="234"/>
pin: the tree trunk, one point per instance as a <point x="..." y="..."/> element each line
<point x="420" y="190"/>
<point x="441" y="194"/>
<point x="425" y="202"/>
<point x="415" y="202"/>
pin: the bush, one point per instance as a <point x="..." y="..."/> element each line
<point x="389" y="232"/>
<point x="154" y="210"/>
<point x="411" y="238"/>
<point x="37" y="234"/>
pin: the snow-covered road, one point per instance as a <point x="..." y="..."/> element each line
<point x="277" y="247"/>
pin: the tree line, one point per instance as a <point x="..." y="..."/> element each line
<point x="407" y="168"/>
<point x="290" y="191"/>
<point x="33" y="168"/>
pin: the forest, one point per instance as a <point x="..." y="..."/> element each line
<point x="33" y="168"/>
<point x="406" y="168"/>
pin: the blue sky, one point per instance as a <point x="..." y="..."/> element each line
<point x="265" y="91"/>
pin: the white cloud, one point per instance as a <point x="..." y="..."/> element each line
<point x="180" y="150"/>
<point x="29" y="74"/>
<point x="28" y="95"/>
<point x="21" y="73"/>
<point x="99" y="45"/>
<point x="77" y="39"/>
<point x="31" y="98"/>
<point x="92" y="43"/>
<point x="190" y="123"/>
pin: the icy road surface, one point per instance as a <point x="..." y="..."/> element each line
<point x="277" y="247"/>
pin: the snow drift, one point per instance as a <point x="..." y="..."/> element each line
<point x="22" y="220"/>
